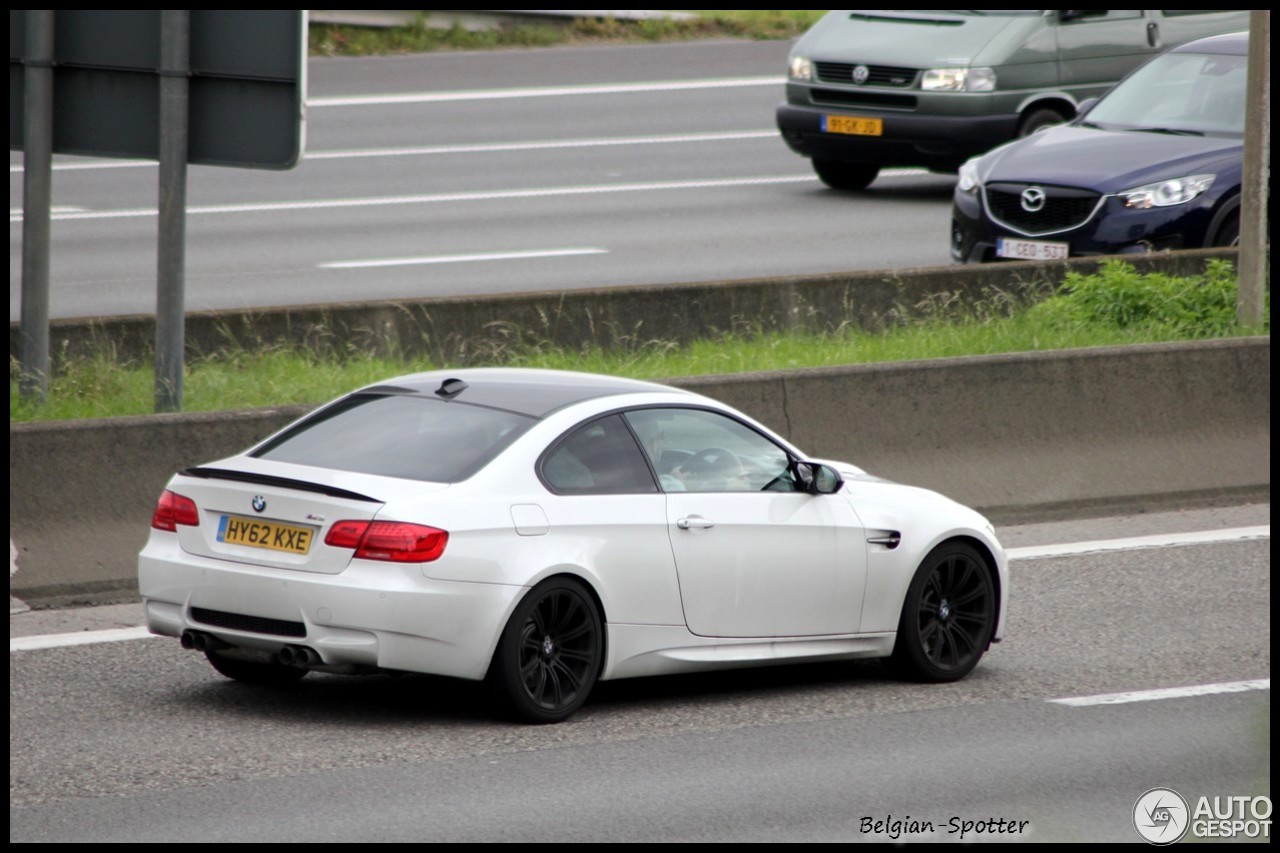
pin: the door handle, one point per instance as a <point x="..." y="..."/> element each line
<point x="694" y="522"/>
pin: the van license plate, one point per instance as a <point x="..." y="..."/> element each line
<point x="853" y="125"/>
<point x="1031" y="250"/>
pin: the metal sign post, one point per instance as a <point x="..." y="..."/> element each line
<point x="1255" y="183"/>
<point x="215" y="87"/>
<point x="37" y="189"/>
<point x="175" y="67"/>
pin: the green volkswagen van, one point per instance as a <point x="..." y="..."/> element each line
<point x="932" y="88"/>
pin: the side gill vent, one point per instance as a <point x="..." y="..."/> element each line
<point x="890" y="539"/>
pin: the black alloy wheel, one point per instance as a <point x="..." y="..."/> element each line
<point x="948" y="616"/>
<point x="550" y="653"/>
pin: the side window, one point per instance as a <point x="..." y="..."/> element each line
<point x="598" y="458"/>
<point x="693" y="450"/>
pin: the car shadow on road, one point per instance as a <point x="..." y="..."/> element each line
<point x="396" y="699"/>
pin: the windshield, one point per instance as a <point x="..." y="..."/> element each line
<point x="1191" y="93"/>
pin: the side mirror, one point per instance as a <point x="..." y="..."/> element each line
<point x="818" y="479"/>
<point x="1084" y="106"/>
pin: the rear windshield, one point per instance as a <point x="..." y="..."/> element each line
<point x="411" y="437"/>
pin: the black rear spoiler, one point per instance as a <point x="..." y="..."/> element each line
<point x="280" y="482"/>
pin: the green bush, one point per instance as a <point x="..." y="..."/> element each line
<point x="1119" y="296"/>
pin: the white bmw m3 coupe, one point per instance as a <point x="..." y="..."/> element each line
<point x="543" y="530"/>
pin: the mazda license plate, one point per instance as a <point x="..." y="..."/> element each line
<point x="1031" y="250"/>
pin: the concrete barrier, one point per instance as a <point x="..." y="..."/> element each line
<point x="1018" y="436"/>
<point x="471" y="330"/>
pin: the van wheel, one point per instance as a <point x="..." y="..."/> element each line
<point x="1039" y="119"/>
<point x="840" y="175"/>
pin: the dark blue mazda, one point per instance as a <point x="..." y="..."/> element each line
<point x="1155" y="164"/>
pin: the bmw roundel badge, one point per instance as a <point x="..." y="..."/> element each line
<point x="259" y="503"/>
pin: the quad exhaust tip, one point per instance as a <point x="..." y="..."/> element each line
<point x="200" y="641"/>
<point x="299" y="656"/>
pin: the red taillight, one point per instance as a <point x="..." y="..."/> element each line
<point x="394" y="541"/>
<point x="172" y="510"/>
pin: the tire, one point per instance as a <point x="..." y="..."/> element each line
<point x="947" y="618"/>
<point x="550" y="653"/>
<point x="1039" y="119"/>
<point x="1228" y="233"/>
<point x="840" y="175"/>
<point x="253" y="672"/>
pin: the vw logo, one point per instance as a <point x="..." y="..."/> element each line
<point x="259" y="503"/>
<point x="1033" y="199"/>
<point x="860" y="74"/>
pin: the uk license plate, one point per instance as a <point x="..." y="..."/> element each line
<point x="1031" y="250"/>
<point x="256" y="533"/>
<point x="853" y="125"/>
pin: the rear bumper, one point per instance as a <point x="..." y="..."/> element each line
<point x="371" y="614"/>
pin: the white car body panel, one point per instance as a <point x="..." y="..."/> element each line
<point x="773" y="564"/>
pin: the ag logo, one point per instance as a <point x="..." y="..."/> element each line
<point x="1161" y="816"/>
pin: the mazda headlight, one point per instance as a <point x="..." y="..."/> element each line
<point x="959" y="80"/>
<point x="800" y="68"/>
<point x="1166" y="193"/>
<point x="969" y="181"/>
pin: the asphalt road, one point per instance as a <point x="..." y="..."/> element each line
<point x="509" y="171"/>
<point x="140" y="741"/>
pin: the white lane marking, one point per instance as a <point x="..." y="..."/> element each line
<point x="1159" y="540"/>
<point x="455" y="259"/>
<point x="437" y="198"/>
<point x="543" y="92"/>
<point x="17" y="168"/>
<point x="17" y="211"/>
<point x="1164" y="693"/>
<point x="77" y="638"/>
<point x="473" y="148"/>
<point x="545" y="145"/>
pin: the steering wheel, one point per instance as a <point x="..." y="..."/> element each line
<point x="713" y="460"/>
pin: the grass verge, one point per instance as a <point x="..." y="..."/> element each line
<point x="340" y="40"/>
<point x="1116" y="306"/>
